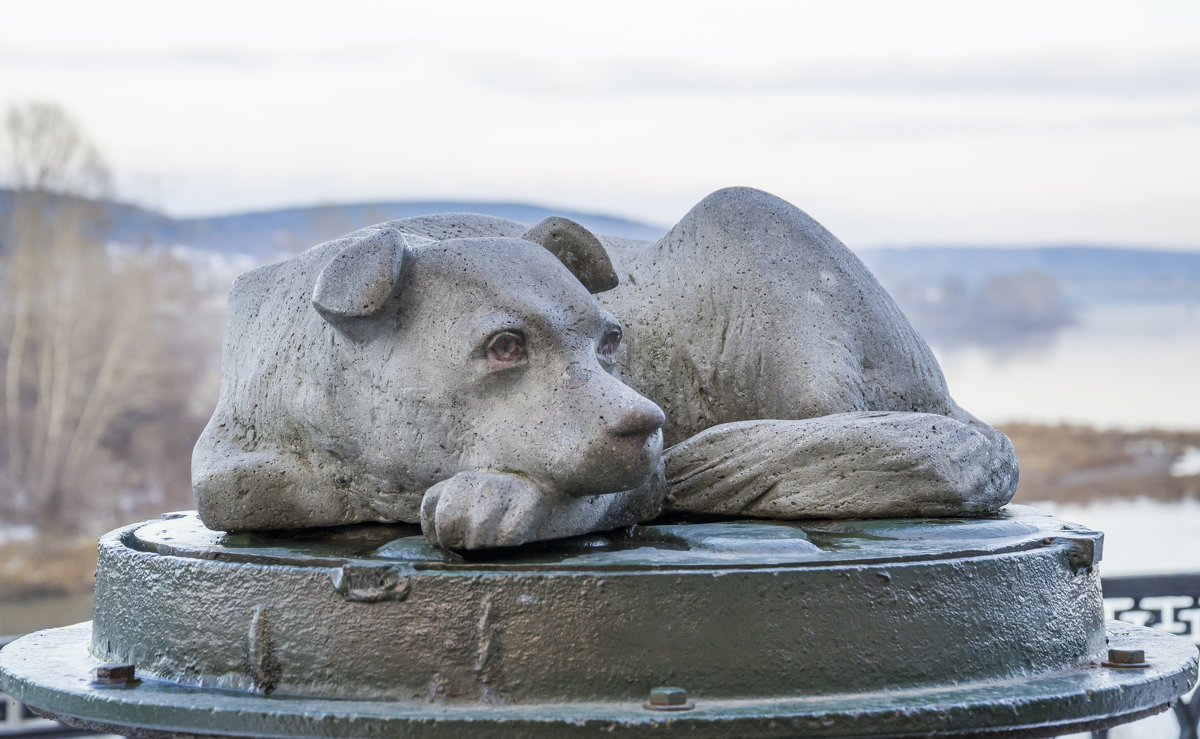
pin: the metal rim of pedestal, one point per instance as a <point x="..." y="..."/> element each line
<point x="53" y="668"/>
<point x="987" y="627"/>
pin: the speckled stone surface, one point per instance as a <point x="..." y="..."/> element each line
<point x="465" y="383"/>
<point x="448" y="370"/>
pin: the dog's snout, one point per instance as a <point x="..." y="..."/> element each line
<point x="641" y="422"/>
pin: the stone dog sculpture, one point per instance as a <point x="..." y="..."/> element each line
<point x="454" y="370"/>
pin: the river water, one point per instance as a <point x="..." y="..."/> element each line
<point x="1118" y="366"/>
<point x="24" y="616"/>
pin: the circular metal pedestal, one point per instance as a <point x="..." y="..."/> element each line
<point x="850" y="628"/>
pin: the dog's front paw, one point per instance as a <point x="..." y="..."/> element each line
<point x="479" y="510"/>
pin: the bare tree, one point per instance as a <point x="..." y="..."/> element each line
<point x="83" y="342"/>
<point x="47" y="153"/>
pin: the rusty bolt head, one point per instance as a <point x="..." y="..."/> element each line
<point x="668" y="699"/>
<point x="115" y="674"/>
<point x="1126" y="658"/>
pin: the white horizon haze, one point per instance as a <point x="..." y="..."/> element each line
<point x="891" y="123"/>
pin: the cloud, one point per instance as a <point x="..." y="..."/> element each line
<point x="198" y="56"/>
<point x="1114" y="75"/>
<point x="1026" y="123"/>
<point x="1058" y="75"/>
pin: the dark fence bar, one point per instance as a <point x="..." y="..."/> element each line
<point x="1167" y="602"/>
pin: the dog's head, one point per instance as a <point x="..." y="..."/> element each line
<point x="487" y="354"/>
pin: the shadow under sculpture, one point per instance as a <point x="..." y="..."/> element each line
<point x="501" y="384"/>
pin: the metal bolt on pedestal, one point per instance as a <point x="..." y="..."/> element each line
<point x="1126" y="658"/>
<point x="115" y="676"/>
<point x="668" y="699"/>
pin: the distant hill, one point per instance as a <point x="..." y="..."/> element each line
<point x="1085" y="274"/>
<point x="1010" y="296"/>
<point x="930" y="278"/>
<point x="295" y="229"/>
<point x="996" y="297"/>
<point x="1070" y="263"/>
<point x="267" y="234"/>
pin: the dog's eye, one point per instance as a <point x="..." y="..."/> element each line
<point x="608" y="346"/>
<point x="506" y="347"/>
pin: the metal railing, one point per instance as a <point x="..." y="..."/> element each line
<point x="1167" y="602"/>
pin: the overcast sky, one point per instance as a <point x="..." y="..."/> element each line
<point x="890" y="122"/>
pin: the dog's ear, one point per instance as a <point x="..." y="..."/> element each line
<point x="578" y="249"/>
<point x="360" y="280"/>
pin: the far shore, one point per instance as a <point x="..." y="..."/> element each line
<point x="1080" y="464"/>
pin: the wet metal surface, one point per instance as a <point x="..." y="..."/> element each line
<point x="731" y="609"/>
<point x="687" y="544"/>
<point x="50" y="669"/>
<point x="820" y="628"/>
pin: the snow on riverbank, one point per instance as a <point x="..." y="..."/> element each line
<point x="1187" y="464"/>
<point x="16" y="533"/>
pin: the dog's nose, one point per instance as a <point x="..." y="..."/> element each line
<point x="641" y="422"/>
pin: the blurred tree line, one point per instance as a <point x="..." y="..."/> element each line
<point x="102" y="356"/>
<point x="1002" y="310"/>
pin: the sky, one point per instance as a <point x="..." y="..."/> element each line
<point x="892" y="123"/>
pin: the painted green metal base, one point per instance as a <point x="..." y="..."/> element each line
<point x="817" y="628"/>
<point x="51" y="671"/>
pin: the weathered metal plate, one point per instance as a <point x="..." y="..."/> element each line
<point x="690" y="544"/>
<point x="732" y="609"/>
<point x="51" y="671"/>
<point x="822" y="628"/>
